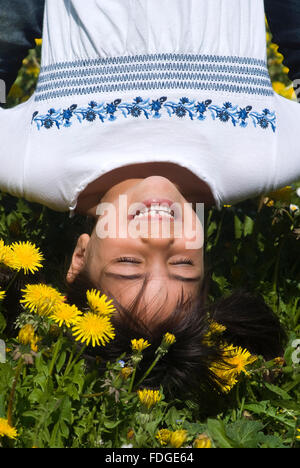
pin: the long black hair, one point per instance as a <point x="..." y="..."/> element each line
<point x="185" y="369"/>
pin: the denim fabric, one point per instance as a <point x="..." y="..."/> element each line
<point x="284" y="20"/>
<point x="21" y="22"/>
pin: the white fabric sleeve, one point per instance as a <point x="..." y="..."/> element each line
<point x="14" y="132"/>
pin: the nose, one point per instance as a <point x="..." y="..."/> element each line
<point x="161" y="242"/>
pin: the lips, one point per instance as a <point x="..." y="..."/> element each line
<point x="157" y="201"/>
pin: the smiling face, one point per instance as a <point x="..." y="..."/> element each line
<point x="158" y="236"/>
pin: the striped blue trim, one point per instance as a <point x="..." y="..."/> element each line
<point x="154" y="71"/>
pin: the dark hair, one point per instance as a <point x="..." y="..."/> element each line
<point x="185" y="369"/>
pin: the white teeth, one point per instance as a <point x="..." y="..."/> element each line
<point x="155" y="210"/>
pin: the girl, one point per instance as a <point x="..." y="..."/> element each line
<point x="158" y="101"/>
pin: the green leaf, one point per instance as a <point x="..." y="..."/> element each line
<point x="211" y="229"/>
<point x="217" y="432"/>
<point x="61" y="360"/>
<point x="2" y="323"/>
<point x="257" y="408"/>
<point x="270" y="441"/>
<point x="6" y="377"/>
<point x="238" y="227"/>
<point x="278" y="391"/>
<point x="2" y="406"/>
<point x="172" y="417"/>
<point x="248" y="226"/>
<point x="244" y="432"/>
<point x="40" y="364"/>
<point x="294" y="383"/>
<point x="111" y="424"/>
<point x="63" y="417"/>
<point x="265" y="408"/>
<point x="36" y="396"/>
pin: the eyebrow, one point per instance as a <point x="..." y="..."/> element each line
<point x="141" y="276"/>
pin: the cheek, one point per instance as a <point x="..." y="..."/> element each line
<point x="193" y="232"/>
<point x="113" y="223"/>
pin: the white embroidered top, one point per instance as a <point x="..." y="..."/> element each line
<point x="132" y="81"/>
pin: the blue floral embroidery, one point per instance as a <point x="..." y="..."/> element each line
<point x="184" y="108"/>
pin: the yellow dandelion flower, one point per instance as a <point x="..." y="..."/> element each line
<point x="2" y="295"/>
<point x="278" y="86"/>
<point x="178" y="438"/>
<point x="26" y="256"/>
<point x="215" y="328"/>
<point x="285" y="91"/>
<point x="41" y="298"/>
<point x="65" y="314"/>
<point x="99" y="303"/>
<point x="239" y="358"/>
<point x="149" y="398"/>
<point x="298" y="436"/>
<point x="169" y="339"/>
<point x="139" y="345"/>
<point x="6" y="255"/>
<point x="163" y="436"/>
<point x="33" y="70"/>
<point x="274" y="46"/>
<point x="7" y="430"/>
<point x="279" y="361"/>
<point x="93" y="328"/>
<point x="38" y="42"/>
<point x="202" y="441"/>
<point x="235" y="360"/>
<point x="225" y="378"/>
<point x="278" y="59"/>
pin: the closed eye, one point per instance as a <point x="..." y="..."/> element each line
<point x="183" y="261"/>
<point x="127" y="260"/>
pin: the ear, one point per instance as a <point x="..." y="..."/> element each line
<point x="78" y="257"/>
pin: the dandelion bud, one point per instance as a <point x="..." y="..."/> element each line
<point x="126" y="372"/>
<point x="163" y="436"/>
<point x="149" y="398"/>
<point x="202" y="441"/>
<point x="26" y="334"/>
<point x="139" y="345"/>
<point x="168" y="339"/>
<point x="178" y="438"/>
